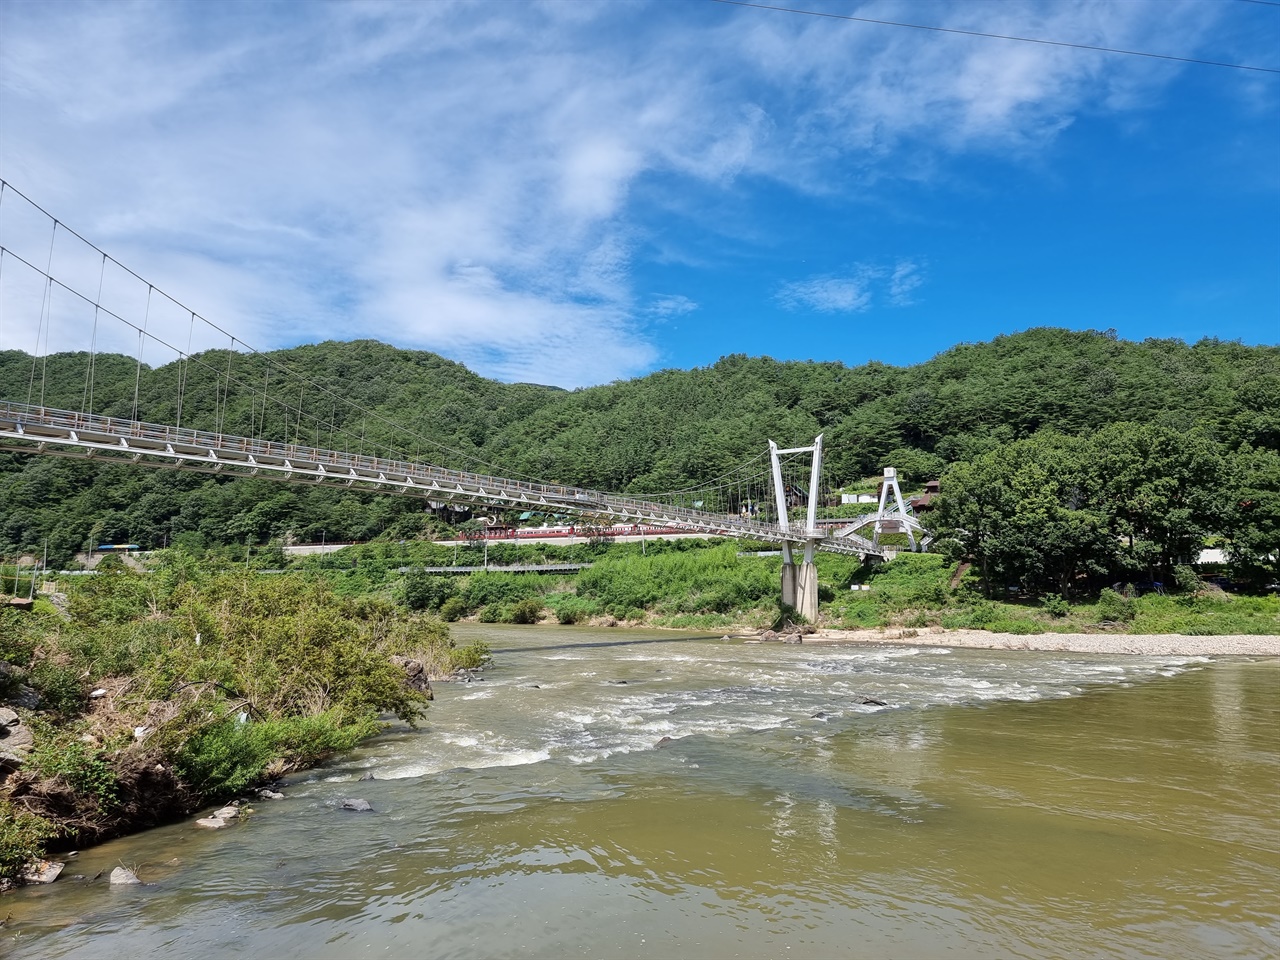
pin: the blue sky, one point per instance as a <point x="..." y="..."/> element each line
<point x="578" y="192"/>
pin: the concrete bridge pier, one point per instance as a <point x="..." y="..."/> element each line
<point x="789" y="578"/>
<point x="800" y="582"/>
<point x="807" y="591"/>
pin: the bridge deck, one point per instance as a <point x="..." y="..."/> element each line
<point x="43" y="430"/>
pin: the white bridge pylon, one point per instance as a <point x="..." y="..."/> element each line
<point x="895" y="517"/>
<point x="800" y="581"/>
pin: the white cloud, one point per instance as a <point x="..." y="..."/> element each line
<point x="866" y="285"/>
<point x="671" y="305"/>
<point x="458" y="176"/>
<point x="903" y="281"/>
<point x="827" y="294"/>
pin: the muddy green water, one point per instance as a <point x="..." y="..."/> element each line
<point x="1002" y="805"/>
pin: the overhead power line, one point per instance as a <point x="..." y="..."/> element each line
<point x="1001" y="36"/>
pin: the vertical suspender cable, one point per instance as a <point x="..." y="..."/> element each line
<point x="45" y="306"/>
<point x="86" y="403"/>
<point x="266" y="386"/>
<point x="142" y="334"/>
<point x="226" y="395"/>
<point x="253" y="409"/>
<point x="3" y="186"/>
<point x="184" y="364"/>
<point x="1" y="294"/>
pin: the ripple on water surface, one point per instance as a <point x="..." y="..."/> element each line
<point x="1046" y="805"/>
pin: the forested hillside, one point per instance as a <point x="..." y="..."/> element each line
<point x="1217" y="402"/>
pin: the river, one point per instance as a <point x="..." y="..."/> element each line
<point x="1001" y="805"/>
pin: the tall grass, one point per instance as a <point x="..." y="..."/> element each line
<point x="710" y="581"/>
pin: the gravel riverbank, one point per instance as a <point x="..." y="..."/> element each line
<point x="1147" y="644"/>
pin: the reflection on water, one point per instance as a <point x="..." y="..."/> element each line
<point x="1002" y="805"/>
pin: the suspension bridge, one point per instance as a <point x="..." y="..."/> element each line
<point x="238" y="426"/>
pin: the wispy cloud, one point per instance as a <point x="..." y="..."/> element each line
<point x="669" y="306"/>
<point x="425" y="174"/>
<point x="865" y="285"/>
<point x="903" y="281"/>
<point x="827" y="294"/>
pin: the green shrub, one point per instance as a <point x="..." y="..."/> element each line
<point x="423" y="591"/>
<point x="860" y="614"/>
<point x="680" y="580"/>
<point x="235" y="753"/>
<point x="472" y="656"/>
<point x="981" y="617"/>
<point x="60" y="686"/>
<point x="1113" y="607"/>
<point x="1055" y="605"/>
<point x="527" y="611"/>
<point x="571" y="609"/>
<point x="22" y="837"/>
<point x="486" y="589"/>
<point x="18" y="638"/>
<point x="787" y="615"/>
<point x="495" y="613"/>
<point x="455" y="608"/>
<point x="912" y="580"/>
<point x="82" y="767"/>
<point x="1207" y="614"/>
<point x="1015" y="626"/>
<point x="116" y="595"/>
<point x="226" y="757"/>
<point x="1186" y="580"/>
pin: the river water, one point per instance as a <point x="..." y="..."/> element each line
<point x="1001" y="805"/>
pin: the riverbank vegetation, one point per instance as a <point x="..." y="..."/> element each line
<point x="145" y="696"/>
<point x="670" y="430"/>
<point x="727" y="585"/>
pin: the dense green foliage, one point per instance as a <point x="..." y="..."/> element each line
<point x="1124" y="504"/>
<point x="209" y="679"/>
<point x="661" y="432"/>
<point x="718" y="585"/>
<point x="923" y="591"/>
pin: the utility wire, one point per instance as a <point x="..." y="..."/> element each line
<point x="1001" y="36"/>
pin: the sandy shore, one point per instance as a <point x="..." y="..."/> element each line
<point x="1149" y="644"/>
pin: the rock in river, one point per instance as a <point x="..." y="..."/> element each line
<point x="41" y="871"/>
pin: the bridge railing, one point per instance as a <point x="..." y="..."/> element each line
<point x="163" y="439"/>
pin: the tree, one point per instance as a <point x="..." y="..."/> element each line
<point x="1015" y="512"/>
<point x="1159" y="490"/>
<point x="1253" y="523"/>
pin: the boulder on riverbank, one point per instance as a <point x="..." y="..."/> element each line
<point x="415" y="675"/>
<point x="41" y="871"/>
<point x="16" y="741"/>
